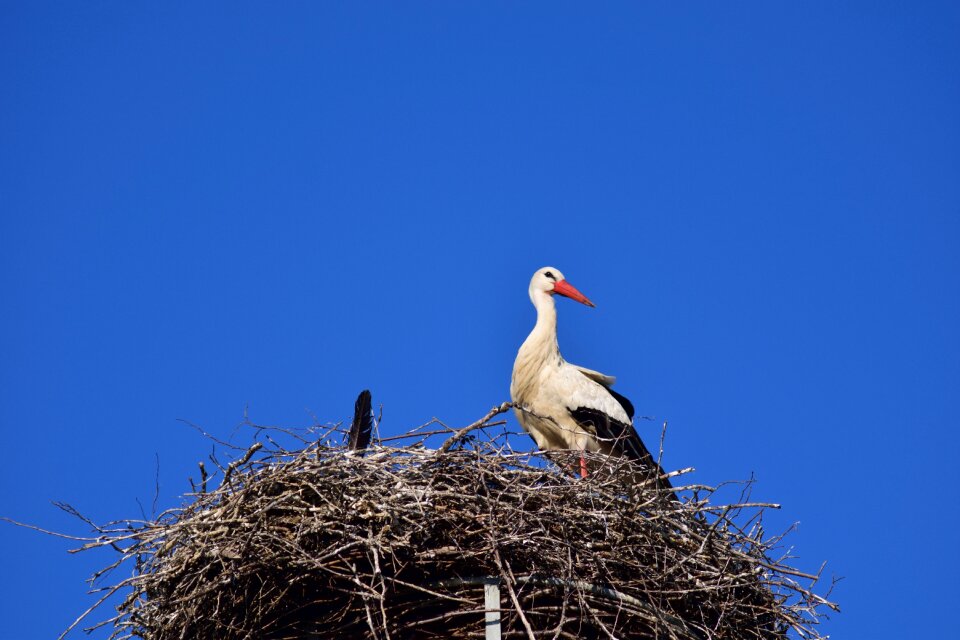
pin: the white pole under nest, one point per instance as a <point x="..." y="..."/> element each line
<point x="491" y="602"/>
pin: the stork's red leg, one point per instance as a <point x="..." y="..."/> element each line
<point x="583" y="466"/>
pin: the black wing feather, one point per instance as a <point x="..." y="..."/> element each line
<point x="362" y="426"/>
<point x="623" y="438"/>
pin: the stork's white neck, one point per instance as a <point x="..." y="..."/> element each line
<point x="542" y="344"/>
<point x="546" y="310"/>
<point x="538" y="353"/>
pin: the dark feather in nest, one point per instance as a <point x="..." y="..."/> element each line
<point x="362" y="426"/>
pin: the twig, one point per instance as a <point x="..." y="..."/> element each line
<point x="456" y="437"/>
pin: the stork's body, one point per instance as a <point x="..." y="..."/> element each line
<point x="561" y="405"/>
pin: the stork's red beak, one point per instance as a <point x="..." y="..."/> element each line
<point x="564" y="288"/>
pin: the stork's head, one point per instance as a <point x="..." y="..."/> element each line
<point x="550" y="281"/>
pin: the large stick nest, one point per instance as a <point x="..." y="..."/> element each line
<point x="315" y="541"/>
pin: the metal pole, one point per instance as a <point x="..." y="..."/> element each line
<point x="491" y="602"/>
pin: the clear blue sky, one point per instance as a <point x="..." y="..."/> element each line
<point x="275" y="206"/>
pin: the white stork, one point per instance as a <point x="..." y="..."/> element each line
<point x="561" y="405"/>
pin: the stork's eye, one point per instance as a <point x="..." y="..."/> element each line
<point x="550" y="275"/>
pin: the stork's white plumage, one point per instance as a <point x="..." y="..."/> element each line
<point x="561" y="405"/>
